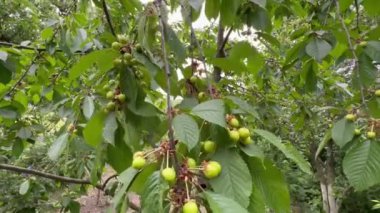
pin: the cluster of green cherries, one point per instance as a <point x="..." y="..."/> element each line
<point x="116" y="99"/>
<point x="187" y="172"/>
<point x="238" y="134"/>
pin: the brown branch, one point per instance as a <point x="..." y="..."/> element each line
<point x="47" y="175"/>
<point x="357" y="15"/>
<point x="108" y="17"/>
<point x="108" y="180"/>
<point x="221" y="43"/>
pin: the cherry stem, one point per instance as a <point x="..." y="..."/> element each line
<point x="187" y="190"/>
<point x="167" y="159"/>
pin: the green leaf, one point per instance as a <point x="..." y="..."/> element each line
<point x="367" y="71"/>
<point x="372" y="7"/>
<point x="343" y="132"/>
<point x="270" y="183"/>
<point x="93" y="132"/>
<point x="361" y="165"/>
<point x="186" y="130"/>
<point x="221" y="204"/>
<point x="88" y="107"/>
<point x="119" y="155"/>
<point x="58" y="146"/>
<point x="5" y="73"/>
<point x="175" y="44"/>
<point x="142" y="177"/>
<point x="24" y="187"/>
<point x="110" y="127"/>
<point x="253" y="151"/>
<point x="257" y="202"/>
<point x="259" y="19"/>
<point x="326" y="139"/>
<point x="211" y="111"/>
<point x="126" y="178"/>
<point x="235" y="181"/>
<point x="261" y="3"/>
<point x="318" y="48"/>
<point x="153" y="195"/>
<point x="212" y="9"/>
<point x="309" y="75"/>
<point x="245" y="106"/>
<point x="228" y="11"/>
<point x="345" y="4"/>
<point x="286" y="148"/>
<point x="373" y="50"/>
<point x="374" y="107"/>
<point x="101" y="58"/>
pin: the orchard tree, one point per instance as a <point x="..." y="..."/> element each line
<point x="221" y="119"/>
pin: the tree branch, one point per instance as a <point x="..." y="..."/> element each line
<point x="47" y="175"/>
<point x="17" y="46"/>
<point x="221" y="43"/>
<point x="108" y="17"/>
<point x="351" y="46"/>
<point x="357" y="15"/>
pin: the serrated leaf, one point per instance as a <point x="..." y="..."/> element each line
<point x="374" y="107"/>
<point x="367" y="72"/>
<point x="101" y="58"/>
<point x="88" y="107"/>
<point x="119" y="155"/>
<point x="126" y="179"/>
<point x="318" y="48"/>
<point x="221" y="204"/>
<point x="5" y="73"/>
<point x="110" y="127"/>
<point x="235" y="181"/>
<point x="211" y="111"/>
<point x="286" y="148"/>
<point x="24" y="187"/>
<point x="271" y="186"/>
<point x="228" y="11"/>
<point x="343" y="132"/>
<point x="153" y="195"/>
<point x="361" y="165"/>
<point x="93" y="132"/>
<point x="372" y="7"/>
<point x="253" y="151"/>
<point x="58" y="146"/>
<point x="243" y="105"/>
<point x="373" y="50"/>
<point x="186" y="130"/>
<point x="175" y="44"/>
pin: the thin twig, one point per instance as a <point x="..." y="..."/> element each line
<point x="168" y="89"/>
<point x="18" y="46"/>
<point x="225" y="40"/>
<point x="47" y="175"/>
<point x="108" y="17"/>
<point x="108" y="180"/>
<point x="357" y="15"/>
<point x="351" y="46"/>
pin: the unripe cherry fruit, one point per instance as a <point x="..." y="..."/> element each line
<point x="193" y="79"/>
<point x="138" y="154"/>
<point x="111" y="106"/>
<point x="191" y="163"/>
<point x="247" y="141"/>
<point x="168" y="174"/>
<point x="138" y="162"/>
<point x="244" y="133"/>
<point x="350" y="117"/>
<point x="117" y="62"/>
<point x="209" y="146"/>
<point x="116" y="46"/>
<point x="201" y="96"/>
<point x="371" y="134"/>
<point x="377" y="93"/>
<point x="233" y="122"/>
<point x="357" y="132"/>
<point x="234" y="135"/>
<point x="122" y="39"/>
<point x="121" y="98"/>
<point x="190" y="207"/>
<point x="110" y="95"/>
<point x="212" y="169"/>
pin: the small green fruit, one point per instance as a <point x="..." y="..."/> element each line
<point x="122" y="39"/>
<point x="193" y="79"/>
<point x="111" y="106"/>
<point x="244" y="133"/>
<point x="234" y="123"/>
<point x="121" y="97"/>
<point x="138" y="48"/>
<point x="117" y="62"/>
<point x="138" y="162"/>
<point x="212" y="169"/>
<point x="138" y="154"/>
<point x="106" y="87"/>
<point x="363" y="44"/>
<point x="190" y="207"/>
<point x="377" y="93"/>
<point x="127" y="57"/>
<point x="191" y="163"/>
<point x="116" y="46"/>
<point x="110" y="95"/>
<point x="357" y="132"/>
<point x="247" y="141"/>
<point x="350" y="117"/>
<point x="201" y="96"/>
<point x="209" y="146"/>
<point x="169" y="174"/>
<point x="234" y="135"/>
<point x="371" y="134"/>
